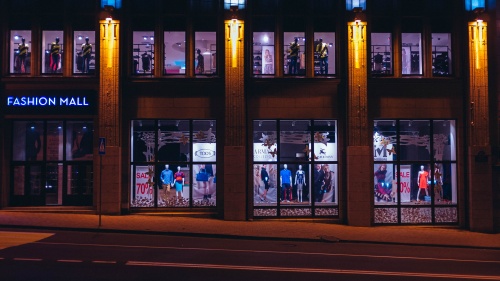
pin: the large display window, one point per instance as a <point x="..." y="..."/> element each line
<point x="85" y="49"/>
<point x="175" y="52"/>
<point x="173" y="163"/>
<point x="20" y="51"/>
<point x="205" y="53"/>
<point x="295" y="170"/>
<point x="44" y="168"/>
<point x="143" y="52"/>
<point x="415" y="176"/>
<point x="52" y="51"/>
<point x="411" y="53"/>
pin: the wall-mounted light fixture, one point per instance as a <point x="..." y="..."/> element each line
<point x="471" y="5"/>
<point x="234" y="36"/>
<point x="351" y="5"/>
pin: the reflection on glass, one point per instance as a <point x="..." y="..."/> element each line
<point x="84" y="61"/>
<point x="52" y="51"/>
<point x="411" y="53"/>
<point x="294" y="53"/>
<point x="142" y="190"/>
<point x="324" y="53"/>
<point x="385" y="189"/>
<point x="28" y="141"/>
<point x="79" y="139"/>
<point x="143" y="52"/>
<point x="175" y="52"/>
<point x="414" y="140"/>
<point x="295" y="140"/>
<point x="143" y="140"/>
<point x="35" y="180"/>
<point x="204" y="185"/>
<point x="80" y="179"/>
<point x="381" y="53"/>
<point x="445" y="139"/>
<point x="263" y="53"/>
<point x="265" y="147"/>
<point x="444" y="183"/>
<point x="20" y="46"/>
<point x="19" y="183"/>
<point x="53" y="184"/>
<point x="265" y="184"/>
<point x="173" y="140"/>
<point x="205" y="53"/>
<point x="441" y="54"/>
<point x="54" y="140"/>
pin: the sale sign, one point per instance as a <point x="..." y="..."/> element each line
<point x="143" y="187"/>
<point x="405" y="180"/>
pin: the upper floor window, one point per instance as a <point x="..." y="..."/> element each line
<point x="143" y="52"/>
<point x="294" y="53"/>
<point x="175" y="52"/>
<point x="411" y="53"/>
<point x="20" y="51"/>
<point x="381" y="53"/>
<point x="84" y="56"/>
<point x="324" y="53"/>
<point x="205" y="53"/>
<point x="441" y="54"/>
<point x="52" y="51"/>
<point x="263" y="53"/>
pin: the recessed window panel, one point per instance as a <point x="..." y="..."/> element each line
<point x="85" y="50"/>
<point x="175" y="52"/>
<point x="381" y="53"/>
<point x="263" y="53"/>
<point x="205" y="53"/>
<point x="411" y="54"/>
<point x="414" y="139"/>
<point x="294" y="53"/>
<point x="20" y="51"/>
<point x="324" y="53"/>
<point x="143" y="52"/>
<point x="52" y="51"/>
<point x="441" y="54"/>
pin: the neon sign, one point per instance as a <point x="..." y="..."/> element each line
<point x="42" y="101"/>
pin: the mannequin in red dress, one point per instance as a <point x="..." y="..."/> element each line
<point x="423" y="177"/>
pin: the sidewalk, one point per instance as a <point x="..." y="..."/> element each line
<point x="257" y="229"/>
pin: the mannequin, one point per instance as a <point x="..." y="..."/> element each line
<point x="86" y="55"/>
<point x="265" y="178"/>
<point x="146" y="62"/>
<point x="381" y="190"/>
<point x="179" y="183"/>
<point x="202" y="181"/>
<point x="422" y="178"/>
<point x="23" y="53"/>
<point x="200" y="67"/>
<point x="322" y="50"/>
<point x="438" y="184"/>
<point x="268" y="60"/>
<point x="167" y="179"/>
<point x="300" y="182"/>
<point x="294" y="54"/>
<point x="286" y="180"/>
<point x="55" y="55"/>
<point x="318" y="183"/>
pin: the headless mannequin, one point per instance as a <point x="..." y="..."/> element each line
<point x="179" y="183"/>
<point x="300" y="182"/>
<point x="286" y="180"/>
<point x="55" y="54"/>
<point x="23" y="53"/>
<point x="422" y="182"/>
<point x="86" y="55"/>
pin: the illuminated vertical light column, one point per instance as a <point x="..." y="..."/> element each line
<point x="234" y="83"/>
<point x="357" y="85"/>
<point x="109" y="82"/>
<point x="478" y="83"/>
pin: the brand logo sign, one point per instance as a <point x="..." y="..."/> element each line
<point x="204" y="152"/>
<point x="47" y="101"/>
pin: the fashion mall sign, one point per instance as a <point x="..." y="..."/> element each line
<point x="42" y="101"/>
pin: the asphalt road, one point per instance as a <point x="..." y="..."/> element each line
<point x="71" y="255"/>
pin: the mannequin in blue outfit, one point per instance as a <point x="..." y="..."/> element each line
<point x="286" y="184"/>
<point x="167" y="180"/>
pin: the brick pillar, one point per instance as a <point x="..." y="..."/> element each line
<point x="359" y="148"/>
<point x="108" y="173"/>
<point x="480" y="169"/>
<point x="235" y="172"/>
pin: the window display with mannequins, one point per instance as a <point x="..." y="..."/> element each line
<point x="166" y="185"/>
<point x="52" y="51"/>
<point x="84" y="56"/>
<point x="20" y="60"/>
<point x="325" y="183"/>
<point x="423" y="185"/>
<point x="143" y="52"/>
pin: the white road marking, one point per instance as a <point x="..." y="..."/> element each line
<point x="313" y="270"/>
<point x="275" y="252"/>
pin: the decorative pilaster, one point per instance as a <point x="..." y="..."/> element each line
<point x="480" y="165"/>
<point x="359" y="151"/>
<point x="109" y="117"/>
<point x="234" y="143"/>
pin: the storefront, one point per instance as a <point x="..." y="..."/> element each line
<point x="51" y="136"/>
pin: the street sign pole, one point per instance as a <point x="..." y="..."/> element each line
<point x="102" y="151"/>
